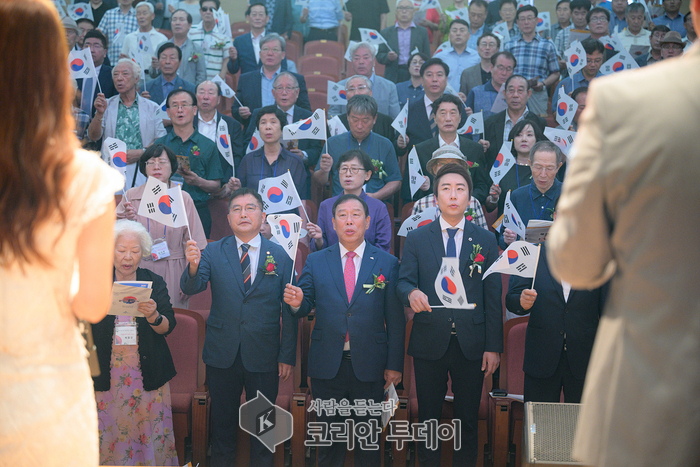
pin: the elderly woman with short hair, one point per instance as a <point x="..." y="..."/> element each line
<point x="132" y="391"/>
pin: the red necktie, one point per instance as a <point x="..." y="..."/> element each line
<point x="349" y="275"/>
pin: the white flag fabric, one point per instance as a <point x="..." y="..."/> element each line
<point x="575" y="58"/>
<point x="279" y="193"/>
<point x="302" y="3"/>
<point x="566" y="109"/>
<point x="562" y="138"/>
<point x="226" y="90"/>
<point x="419" y="220"/>
<point x="501" y="30"/>
<point x="81" y="65"/>
<point x="503" y="163"/>
<point x="428" y="4"/>
<point x="255" y="142"/>
<point x="415" y="51"/>
<point x="286" y="228"/>
<point x="116" y="149"/>
<point x="223" y="23"/>
<point x="461" y="13"/>
<point x="416" y="177"/>
<point x="80" y="11"/>
<point x="372" y="36"/>
<point x="543" y="22"/>
<point x="157" y="203"/>
<point x="449" y="286"/>
<point x="620" y="62"/>
<point x="336" y="94"/>
<point x="444" y="47"/>
<point x="313" y="127"/>
<point x="336" y="126"/>
<point x="474" y="125"/>
<point x="613" y="43"/>
<point x="348" y="57"/>
<point x="519" y="259"/>
<point x="162" y="111"/>
<point x="522" y="3"/>
<point x="401" y="120"/>
<point x="450" y="90"/>
<point x="177" y="205"/>
<point x="511" y="218"/>
<point x="499" y="103"/>
<point x="223" y="143"/>
<point x="144" y="42"/>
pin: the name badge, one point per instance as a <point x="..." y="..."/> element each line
<point x="125" y="334"/>
<point x="159" y="250"/>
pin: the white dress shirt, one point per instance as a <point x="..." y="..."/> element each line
<point x="444" y="225"/>
<point x="428" y="106"/>
<point x="253" y="254"/>
<point x="207" y="129"/>
<point x="256" y="45"/>
<point x="567" y="290"/>
<point x="360" y="251"/>
<point x="442" y="142"/>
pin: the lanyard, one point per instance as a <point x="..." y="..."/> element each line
<point x="148" y="227"/>
<point x="533" y="205"/>
<point x="262" y="164"/>
<point x="170" y="135"/>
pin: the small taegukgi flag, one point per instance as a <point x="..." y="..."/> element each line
<point x="286" y="228"/>
<point x="444" y="47"/>
<point x="428" y="4"/>
<point x="449" y="286"/>
<point x="566" y="109"/>
<point x="575" y="58"/>
<point x="519" y="259"/>
<point x="401" y="121"/>
<point x="313" y="127"/>
<point x="474" y="125"/>
<point x="81" y="65"/>
<point x="418" y="220"/>
<point x="372" y="36"/>
<point x="415" y="176"/>
<point x="620" y="62"/>
<point x="336" y="94"/>
<point x="461" y="13"/>
<point x="511" y="218"/>
<point x="348" y="56"/>
<point x="226" y="90"/>
<point x="562" y="138"/>
<point x="503" y="163"/>
<point x="501" y="30"/>
<point x="543" y="22"/>
<point x="613" y="43"/>
<point x="162" y="204"/>
<point x="116" y="149"/>
<point x="162" y="111"/>
<point x="336" y="126"/>
<point x="223" y="143"/>
<point x="255" y="142"/>
<point x="144" y="44"/>
<point x="279" y="193"/>
<point x="80" y="11"/>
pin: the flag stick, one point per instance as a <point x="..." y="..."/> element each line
<point x="99" y="86"/>
<point x="536" y="263"/>
<point x="302" y="204"/>
<point x="295" y="258"/>
<point x="239" y="102"/>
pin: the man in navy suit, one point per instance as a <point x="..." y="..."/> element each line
<point x="462" y="343"/>
<point x="281" y="19"/>
<point x="357" y="344"/>
<point x="97" y="43"/>
<point x="245" y="345"/>
<point x="169" y="58"/>
<point x="255" y="87"/>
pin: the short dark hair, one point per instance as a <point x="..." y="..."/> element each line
<point x="512" y="77"/>
<point x="660" y="28"/>
<point x="592" y="45"/>
<point x="503" y="2"/>
<point x="481" y="3"/>
<point x="595" y="10"/>
<point x="155" y="150"/>
<point x="562" y="1"/>
<point x="218" y="87"/>
<point x="452" y="168"/>
<point x="169" y="45"/>
<point x="688" y="16"/>
<point x="217" y="2"/>
<point x="632" y="7"/>
<point x="247" y="11"/>
<point x="505" y="54"/>
<point x="175" y="92"/>
<point x="488" y="34"/>
<point x="85" y="20"/>
<point x="434" y="61"/>
<point x="520" y="126"/>
<point x="362" y="104"/>
<point x="189" y="16"/>
<point x="446" y="97"/>
<point x="580" y="5"/>
<point x="546" y="146"/>
<point x="245" y="191"/>
<point x="96" y="34"/>
<point x="343" y="198"/>
<point x="358" y="154"/>
<point x="524" y="9"/>
<point x="271" y="109"/>
<point x="459" y="21"/>
<point x="579" y="90"/>
<point x="420" y="54"/>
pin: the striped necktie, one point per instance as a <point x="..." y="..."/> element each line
<point x="245" y="266"/>
<point x="433" y="125"/>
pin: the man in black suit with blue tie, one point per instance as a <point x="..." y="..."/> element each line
<point x="357" y="345"/>
<point x="462" y="343"/>
<point x="243" y="347"/>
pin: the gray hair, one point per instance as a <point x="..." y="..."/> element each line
<point x="633" y="8"/>
<point x="135" y="67"/>
<point x="399" y="1"/>
<point x="359" y="45"/>
<point x="125" y="226"/>
<point x="546" y="146"/>
<point x="289" y="75"/>
<point x="146" y="4"/>
<point x="367" y="81"/>
<point x="362" y="104"/>
<point x="273" y="37"/>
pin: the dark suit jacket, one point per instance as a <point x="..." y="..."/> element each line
<point x="551" y="318"/>
<point x="249" y="92"/>
<point x="381" y="127"/>
<point x="479" y="330"/>
<point x="238" y="145"/>
<point x="375" y="321"/>
<point x="245" y="322"/>
<point x="313" y="147"/>
<point x="282" y="18"/>
<point x="493" y="132"/>
<point x="419" y="38"/>
<point x="473" y="151"/>
<point x="246" y="61"/>
<point x="155" y="88"/>
<point x="470" y="78"/>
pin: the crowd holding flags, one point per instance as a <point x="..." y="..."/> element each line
<point x="163" y="204"/>
<point x="503" y="163"/>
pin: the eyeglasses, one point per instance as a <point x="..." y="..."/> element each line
<point x="249" y="209"/>
<point x="266" y="50"/>
<point x="539" y="168"/>
<point x="598" y="19"/>
<point x="353" y="170"/>
<point x="93" y="46"/>
<point x="160" y="163"/>
<point x="285" y="88"/>
<point x="180" y="106"/>
<point x="595" y="61"/>
<point x="357" y="88"/>
<point x="207" y="8"/>
<point x="509" y="69"/>
<point x="526" y="18"/>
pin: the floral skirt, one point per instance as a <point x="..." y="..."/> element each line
<point x="135" y="426"/>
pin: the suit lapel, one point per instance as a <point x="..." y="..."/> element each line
<point x="259" y="273"/>
<point x="436" y="241"/>
<point x="335" y="266"/>
<point x="231" y="251"/>
<point x="466" y="250"/>
<point x="366" y="267"/>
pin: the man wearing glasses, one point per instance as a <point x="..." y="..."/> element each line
<point x="97" y="43"/>
<point x="360" y="84"/>
<point x="595" y="54"/>
<point x="216" y="46"/>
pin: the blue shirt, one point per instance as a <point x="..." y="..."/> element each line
<point x="618" y="23"/>
<point x="458" y="63"/>
<point x="266" y="87"/>
<point x="675" y="24"/>
<point x="570" y="84"/>
<point x="481" y="98"/>
<point x="405" y="90"/>
<point x="474" y="37"/>
<point x="325" y="14"/>
<point x="255" y="167"/>
<point x="531" y="203"/>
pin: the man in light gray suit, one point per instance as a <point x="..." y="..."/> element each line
<point x="383" y="91"/>
<point x="487" y="46"/>
<point x="193" y="66"/>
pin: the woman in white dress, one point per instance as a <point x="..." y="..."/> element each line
<point x="56" y="247"/>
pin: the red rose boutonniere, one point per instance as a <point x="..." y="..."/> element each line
<point x="270" y="266"/>
<point x="472" y="165"/>
<point x="379" y="283"/>
<point x="477" y="259"/>
<point x="194" y="58"/>
<point x="469" y="215"/>
<point x="195" y="150"/>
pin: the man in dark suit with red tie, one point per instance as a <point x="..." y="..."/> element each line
<point x="357" y="345"/>
<point x="462" y="343"/>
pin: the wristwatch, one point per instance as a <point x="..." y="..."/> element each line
<point x="158" y="320"/>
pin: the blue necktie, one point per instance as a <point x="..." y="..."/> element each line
<point x="451" y="245"/>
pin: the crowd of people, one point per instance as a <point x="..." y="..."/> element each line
<point x="167" y="112"/>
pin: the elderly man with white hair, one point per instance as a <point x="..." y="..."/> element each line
<point x="383" y="90"/>
<point x="145" y="14"/>
<point x="128" y="117"/>
<point x="360" y="84"/>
